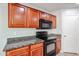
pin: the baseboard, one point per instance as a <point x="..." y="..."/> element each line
<point x="72" y="53"/>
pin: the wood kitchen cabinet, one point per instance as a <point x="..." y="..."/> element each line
<point x="20" y="16"/>
<point x="43" y="15"/>
<point x="17" y="15"/>
<point x="58" y="45"/>
<point x="49" y="17"/>
<point x="23" y="51"/>
<point x="36" y="50"/>
<point x="30" y="50"/>
<point x="53" y="22"/>
<point x="33" y="17"/>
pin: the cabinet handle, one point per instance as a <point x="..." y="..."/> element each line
<point x="65" y="35"/>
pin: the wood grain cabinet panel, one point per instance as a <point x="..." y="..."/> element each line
<point x="33" y="16"/>
<point x="54" y="21"/>
<point x="43" y="15"/>
<point x="17" y="15"/>
<point x="36" y="50"/>
<point x="36" y="45"/>
<point x="25" y="54"/>
<point x="58" y="45"/>
<point x="49" y="17"/>
<point x="24" y="51"/>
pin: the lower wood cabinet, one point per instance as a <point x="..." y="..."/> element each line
<point x="37" y="50"/>
<point x="58" y="45"/>
<point x="31" y="50"/>
<point x="24" y="51"/>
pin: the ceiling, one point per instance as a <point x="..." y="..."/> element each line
<point x="54" y="6"/>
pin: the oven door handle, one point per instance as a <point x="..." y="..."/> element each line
<point x="49" y="43"/>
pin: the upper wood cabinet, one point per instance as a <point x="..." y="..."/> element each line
<point x="33" y="17"/>
<point x="49" y="17"/>
<point x="20" y="16"/>
<point x="23" y="51"/>
<point x="17" y="15"/>
<point x="53" y="21"/>
<point x="43" y="15"/>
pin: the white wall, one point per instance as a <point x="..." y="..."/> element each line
<point x="6" y="32"/>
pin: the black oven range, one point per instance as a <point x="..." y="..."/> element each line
<point x="49" y="44"/>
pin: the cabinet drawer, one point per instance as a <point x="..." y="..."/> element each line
<point x="36" y="45"/>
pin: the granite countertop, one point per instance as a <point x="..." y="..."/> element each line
<point x="17" y="42"/>
<point x="21" y="43"/>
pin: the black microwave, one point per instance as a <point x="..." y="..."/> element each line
<point x="45" y="24"/>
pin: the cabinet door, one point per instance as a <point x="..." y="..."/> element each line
<point x="36" y="49"/>
<point x="37" y="52"/>
<point x="17" y="15"/>
<point x="54" y="21"/>
<point x="33" y="16"/>
<point x="43" y="15"/>
<point x="49" y="17"/>
<point x="58" y="45"/>
<point x="24" y="51"/>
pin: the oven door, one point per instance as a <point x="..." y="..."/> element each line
<point x="50" y="48"/>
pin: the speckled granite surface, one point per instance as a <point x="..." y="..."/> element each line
<point x="20" y="39"/>
<point x="13" y="43"/>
